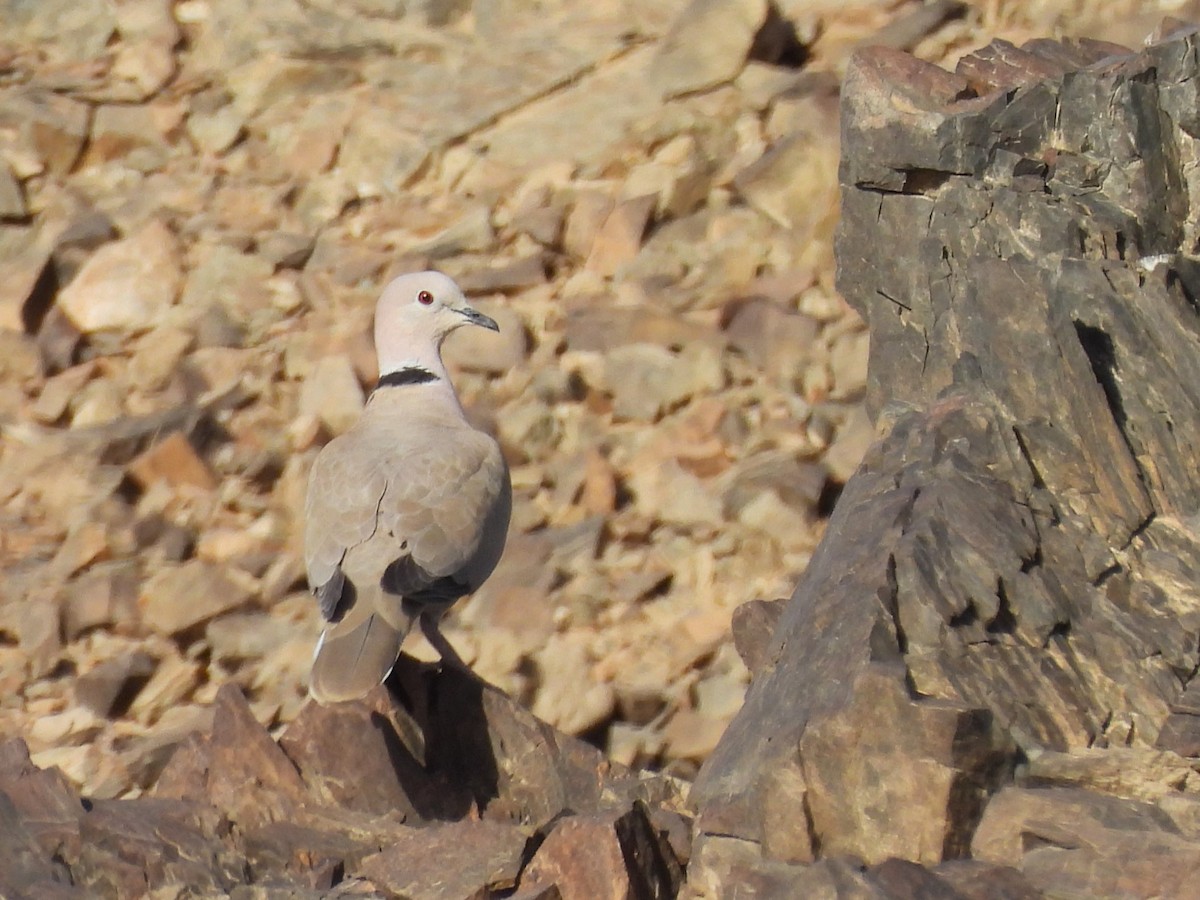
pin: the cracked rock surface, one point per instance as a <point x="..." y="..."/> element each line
<point x="1007" y="590"/>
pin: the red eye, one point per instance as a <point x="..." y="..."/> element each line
<point x="424" y="298"/>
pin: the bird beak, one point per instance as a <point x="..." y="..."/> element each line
<point x="475" y="317"/>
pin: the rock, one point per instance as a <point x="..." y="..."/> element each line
<point x="848" y="362"/>
<point x="172" y="461"/>
<point x="12" y="197"/>
<point x="854" y="436"/>
<point x="217" y="128"/>
<point x="386" y="754"/>
<point x="517" y="275"/>
<point x="103" y="595"/>
<point x="457" y="859"/>
<point x="952" y="758"/>
<point x="158" y="356"/>
<point x="128" y="133"/>
<point x="287" y="250"/>
<point x="1181" y="731"/>
<point x="587" y="216"/>
<point x="110" y="687"/>
<point x="707" y="45"/>
<point x="126" y="285"/>
<point x="51" y="129"/>
<point x="672" y="494"/>
<point x="131" y="845"/>
<point x="1137" y="773"/>
<point x="753" y="624"/>
<point x="647" y="381"/>
<point x="565" y="702"/>
<point x="776" y="340"/>
<point x="1059" y="838"/>
<point x="41" y="813"/>
<point x="237" y="768"/>
<point x="242" y="636"/>
<point x="332" y="393"/>
<point x="619" y="238"/>
<point x="149" y="35"/>
<point x="59" y="391"/>
<point x="230" y="282"/>
<point x="178" y="598"/>
<point x="604" y="328"/>
<point x="691" y="734"/>
<point x="604" y="856"/>
<point x="782" y="182"/>
<point x="31" y="275"/>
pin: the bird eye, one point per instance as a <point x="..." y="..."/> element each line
<point x="424" y="298"/>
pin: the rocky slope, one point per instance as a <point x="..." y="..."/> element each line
<point x="198" y="204"/>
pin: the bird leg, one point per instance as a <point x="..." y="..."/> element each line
<point x="430" y="628"/>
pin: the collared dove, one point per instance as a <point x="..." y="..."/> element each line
<point x="408" y="510"/>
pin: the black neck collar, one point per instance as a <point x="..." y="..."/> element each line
<point x="407" y="375"/>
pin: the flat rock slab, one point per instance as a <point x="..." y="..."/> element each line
<point x="457" y="859"/>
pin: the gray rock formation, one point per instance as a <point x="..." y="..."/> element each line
<point x="1011" y="573"/>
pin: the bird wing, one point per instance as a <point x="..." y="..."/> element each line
<point x="345" y="487"/>
<point x="444" y="509"/>
<point x="416" y="505"/>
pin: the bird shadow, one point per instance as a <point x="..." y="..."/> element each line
<point x="448" y="734"/>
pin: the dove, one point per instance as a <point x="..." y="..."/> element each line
<point x="407" y="511"/>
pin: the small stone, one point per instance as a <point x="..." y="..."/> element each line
<point x="215" y="131"/>
<point x="102" y="596"/>
<point x="708" y="44"/>
<point x="693" y="735"/>
<point x="157" y="357"/>
<point x="149" y="35"/>
<point x="604" y="855"/>
<point x="177" y="598"/>
<point x="60" y="391"/>
<point x="50" y="128"/>
<point x="471" y="231"/>
<point x="848" y="361"/>
<point x="12" y="197"/>
<point x="785" y="184"/>
<point x="127" y="132"/>
<point x="332" y="393"/>
<point x="109" y="688"/>
<point x="647" y="381"/>
<point x="588" y="214"/>
<point x="528" y="430"/>
<point x="173" y="681"/>
<point x="99" y="402"/>
<point x="245" y="636"/>
<point x="25" y="302"/>
<point x="770" y="336"/>
<point x="753" y="626"/>
<point x="517" y="275"/>
<point x="285" y="249"/>
<point x="173" y="461"/>
<point x="570" y="698"/>
<point x="619" y="238"/>
<point x="126" y="285"/>
<point x="671" y="494"/>
<point x="853" y="438"/>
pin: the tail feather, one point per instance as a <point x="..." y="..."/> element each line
<point x="347" y="664"/>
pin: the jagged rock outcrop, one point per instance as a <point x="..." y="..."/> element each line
<point x="1009" y="580"/>
<point x="439" y="787"/>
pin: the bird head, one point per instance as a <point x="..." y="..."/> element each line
<point x="415" y="314"/>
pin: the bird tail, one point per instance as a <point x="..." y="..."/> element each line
<point x="349" y="662"/>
